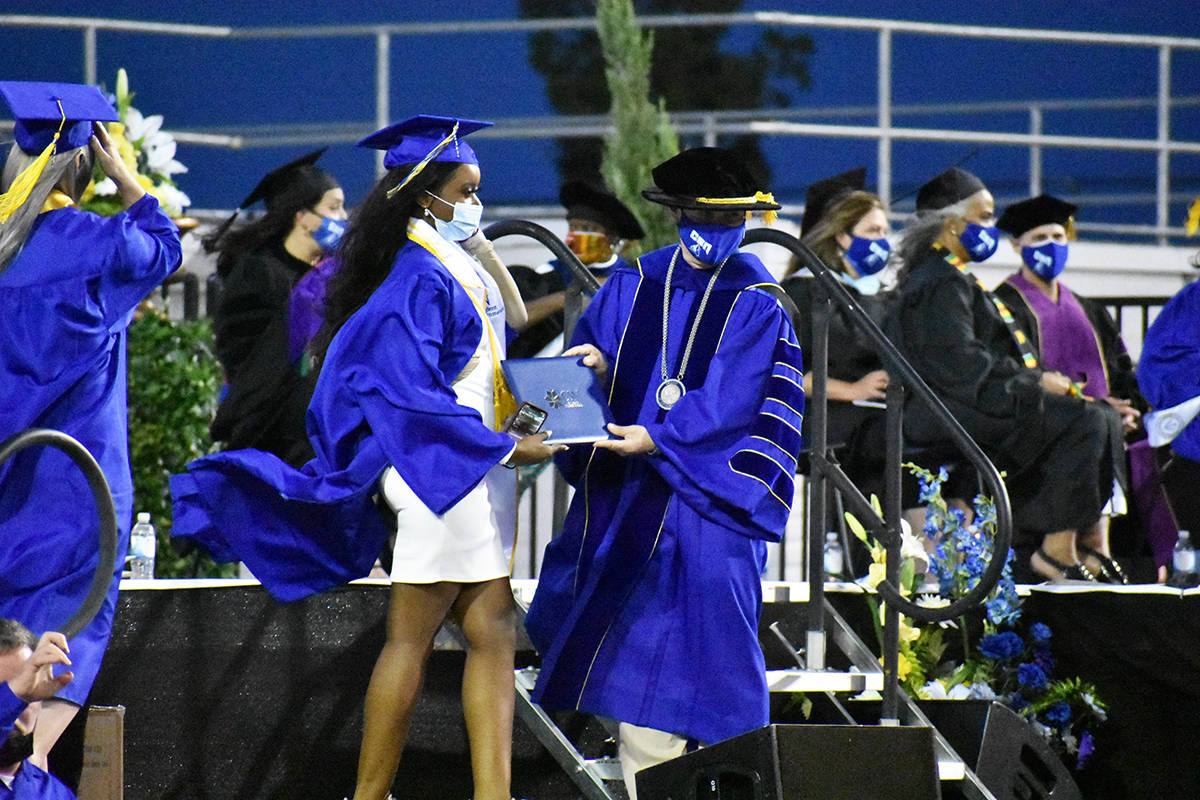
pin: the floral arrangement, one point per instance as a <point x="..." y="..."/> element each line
<point x="148" y="150"/>
<point x="1003" y="665"/>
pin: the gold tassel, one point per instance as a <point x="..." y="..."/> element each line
<point x="1193" y="218"/>
<point x="19" y="192"/>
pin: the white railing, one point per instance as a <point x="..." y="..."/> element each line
<point x="711" y="125"/>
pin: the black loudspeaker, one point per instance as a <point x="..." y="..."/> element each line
<point x="1003" y="750"/>
<point x="802" y="762"/>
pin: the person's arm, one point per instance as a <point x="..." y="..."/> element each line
<point x="108" y="156"/>
<point x="479" y="246"/>
<point x="35" y="680"/>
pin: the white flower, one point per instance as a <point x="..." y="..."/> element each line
<point x="105" y="188"/>
<point x="981" y="691"/>
<point x="934" y="690"/>
<point x="174" y="197"/>
<point x="159" y="149"/>
<point x="960" y="691"/>
<point x="139" y="127"/>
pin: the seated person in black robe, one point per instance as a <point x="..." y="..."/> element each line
<point x="599" y="227"/>
<point x="266" y="396"/>
<point x="847" y="229"/>
<point x="1057" y="450"/>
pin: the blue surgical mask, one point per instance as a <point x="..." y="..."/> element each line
<point x="465" y="222"/>
<point x="868" y="256"/>
<point x="330" y="233"/>
<point x="1046" y="260"/>
<point x="980" y="241"/>
<point x="710" y="244"/>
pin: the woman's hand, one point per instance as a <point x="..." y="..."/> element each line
<point x="533" y="450"/>
<point x="1129" y="414"/>
<point x="872" y="386"/>
<point x="592" y="357"/>
<point x="109" y="158"/>
<point x="1055" y="382"/>
<point x="36" y="679"/>
<point x="632" y="440"/>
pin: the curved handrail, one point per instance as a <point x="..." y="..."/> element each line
<point x="104" y="505"/>
<point x="897" y="365"/>
<point x="522" y="227"/>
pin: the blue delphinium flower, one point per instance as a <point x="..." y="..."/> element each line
<point x="1016" y="701"/>
<point x="1086" y="748"/>
<point x="1059" y="713"/>
<point x="1040" y="632"/>
<point x="1002" y="646"/>
<point x="1042" y="657"/>
<point x="1032" y="676"/>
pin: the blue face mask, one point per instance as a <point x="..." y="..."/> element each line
<point x="465" y="222"/>
<point x="868" y="256"/>
<point x="329" y="235"/>
<point x="710" y="244"/>
<point x="979" y="241"/>
<point x="1046" y="260"/>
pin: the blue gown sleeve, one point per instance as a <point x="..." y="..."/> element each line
<point x="11" y="707"/>
<point x="144" y="249"/>
<point x="729" y="447"/>
<point x="1169" y="367"/>
<point x="413" y="351"/>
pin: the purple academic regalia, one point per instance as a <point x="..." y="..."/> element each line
<point x="1068" y="341"/>
<point x="384" y="397"/>
<point x="647" y="605"/>
<point x="65" y="302"/>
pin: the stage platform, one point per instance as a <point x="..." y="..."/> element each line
<point x="229" y="694"/>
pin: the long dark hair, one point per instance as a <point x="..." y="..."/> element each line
<point x="840" y="218"/>
<point x="377" y="231"/>
<point x="303" y="191"/>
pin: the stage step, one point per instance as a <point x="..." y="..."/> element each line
<point x="803" y="680"/>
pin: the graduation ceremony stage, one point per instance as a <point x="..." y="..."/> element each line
<point x="229" y="694"/>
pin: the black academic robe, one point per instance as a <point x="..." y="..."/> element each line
<point x="1122" y="380"/>
<point x="1057" y="451"/>
<point x="266" y="399"/>
<point x="856" y="432"/>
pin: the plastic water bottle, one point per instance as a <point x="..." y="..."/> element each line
<point x="835" y="561"/>
<point x="142" y="545"/>
<point x="1185" y="556"/>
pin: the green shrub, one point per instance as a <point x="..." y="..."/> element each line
<point x="173" y="382"/>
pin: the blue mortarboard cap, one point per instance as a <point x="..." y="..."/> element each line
<point x="36" y="110"/>
<point x="415" y="139"/>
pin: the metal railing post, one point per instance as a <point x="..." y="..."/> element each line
<point x="89" y="55"/>
<point x="884" y="182"/>
<point x="1163" y="188"/>
<point x="1035" y="151"/>
<point x="383" y="77"/>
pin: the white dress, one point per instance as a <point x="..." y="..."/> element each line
<point x="473" y="541"/>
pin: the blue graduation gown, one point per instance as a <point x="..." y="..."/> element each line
<point x="33" y="784"/>
<point x="384" y="397"/>
<point x="1169" y="369"/>
<point x="65" y="302"/>
<point x="647" y="605"/>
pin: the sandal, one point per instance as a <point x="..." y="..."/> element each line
<point x="1073" y="572"/>
<point x="1110" y="570"/>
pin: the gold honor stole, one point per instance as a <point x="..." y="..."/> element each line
<point x="503" y="401"/>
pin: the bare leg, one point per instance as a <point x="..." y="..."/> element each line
<point x="1096" y="536"/>
<point x="1060" y="547"/>
<point x="414" y="616"/>
<point x="486" y="614"/>
<point x="52" y="720"/>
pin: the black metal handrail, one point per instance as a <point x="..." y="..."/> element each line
<point x="104" y="506"/>
<point x="897" y="367"/>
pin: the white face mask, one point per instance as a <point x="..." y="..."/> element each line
<point x="465" y="222"/>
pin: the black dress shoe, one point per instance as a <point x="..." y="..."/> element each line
<point x="1066" y="572"/>
<point x="1110" y="570"/>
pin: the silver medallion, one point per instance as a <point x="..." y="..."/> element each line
<point x="669" y="393"/>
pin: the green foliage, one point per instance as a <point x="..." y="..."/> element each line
<point x="173" y="383"/>
<point x="643" y="136"/>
